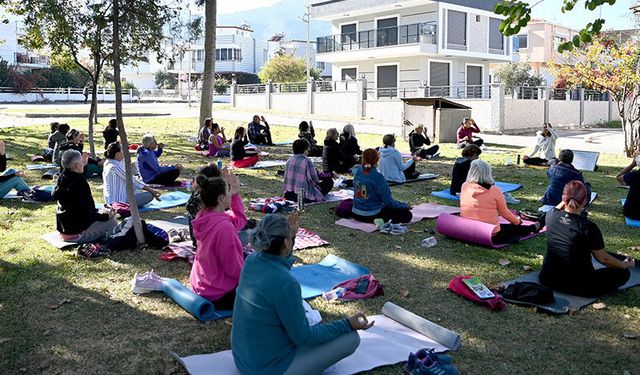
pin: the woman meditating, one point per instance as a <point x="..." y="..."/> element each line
<point x="572" y="240"/>
<point x="334" y="158"/>
<point x="391" y="165"/>
<point x="465" y="133"/>
<point x="194" y="203"/>
<point x="308" y="133"/>
<point x="204" y="135"/>
<point x="150" y="169"/>
<point x="349" y="142"/>
<point x="75" y="141"/>
<point x="631" y="178"/>
<point x="461" y="168"/>
<point x="420" y="144"/>
<point x="270" y="333"/>
<point x="301" y="174"/>
<point x="481" y="200"/>
<point x="243" y="155"/>
<point x="115" y="183"/>
<point x="217" y="142"/>
<point x="546" y="145"/>
<point x="9" y="178"/>
<point x="219" y="258"/>
<point x="372" y="196"/>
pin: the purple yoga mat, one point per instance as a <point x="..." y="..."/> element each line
<point x="473" y="231"/>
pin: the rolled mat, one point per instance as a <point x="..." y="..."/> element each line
<point x="427" y="328"/>
<point x="201" y="308"/>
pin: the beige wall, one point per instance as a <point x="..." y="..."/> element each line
<point x="564" y="112"/>
<point x="251" y="101"/>
<point x="480" y="111"/>
<point x="596" y="112"/>
<point x="386" y="111"/>
<point x="289" y="102"/>
<point x="523" y="114"/>
<point x="336" y="104"/>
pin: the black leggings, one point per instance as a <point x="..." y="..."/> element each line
<point x="423" y="153"/>
<point x="535" y="161"/>
<point x="510" y="233"/>
<point x="396" y="215"/>
<point x="226" y="302"/>
<point x="478" y="142"/>
<point x="594" y="284"/>
<point x="166" y="178"/>
<point x="410" y="173"/>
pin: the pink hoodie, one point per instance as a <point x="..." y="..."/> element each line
<point x="219" y="259"/>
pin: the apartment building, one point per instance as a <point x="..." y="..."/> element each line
<point x="14" y="53"/>
<point x="443" y="46"/>
<point x="298" y="48"/>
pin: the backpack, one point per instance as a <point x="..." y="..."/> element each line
<point x="362" y="287"/>
<point x="529" y="292"/>
<point x="457" y="286"/>
<point x="121" y="209"/>
<point x="123" y="236"/>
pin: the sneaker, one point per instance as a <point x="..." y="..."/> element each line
<point x="510" y="199"/>
<point x="433" y="368"/>
<point x="393" y="229"/>
<point x="174" y="235"/>
<point x="184" y="234"/>
<point x="29" y="200"/>
<point x="93" y="251"/>
<point x="426" y="354"/>
<point x="528" y="216"/>
<point x="147" y="282"/>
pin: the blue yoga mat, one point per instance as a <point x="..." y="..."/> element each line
<point x="630" y="222"/>
<point x="316" y="279"/>
<point x="168" y="200"/>
<point x="506" y="187"/>
<point x="201" y="308"/>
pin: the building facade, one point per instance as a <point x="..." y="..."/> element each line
<point x="298" y="48"/>
<point x="14" y="53"/>
<point x="444" y="46"/>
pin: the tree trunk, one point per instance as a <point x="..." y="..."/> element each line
<point x="206" y="100"/>
<point x="135" y="214"/>
<point x="93" y="113"/>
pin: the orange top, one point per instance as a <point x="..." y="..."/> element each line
<point x="485" y="205"/>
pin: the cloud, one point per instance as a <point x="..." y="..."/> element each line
<point x="234" y="6"/>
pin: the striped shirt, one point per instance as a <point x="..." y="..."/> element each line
<point x="300" y="173"/>
<point x="115" y="185"/>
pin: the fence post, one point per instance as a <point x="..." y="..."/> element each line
<point x="268" y="90"/>
<point x="130" y="95"/>
<point x="104" y="93"/>
<point x="497" y="107"/>
<point x="361" y="96"/>
<point x="310" y="93"/>
<point x="545" y="97"/>
<point x="232" y="94"/>
<point x="68" y="94"/>
<point x="581" y="106"/>
<point x="610" y="108"/>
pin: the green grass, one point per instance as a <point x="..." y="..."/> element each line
<point x="107" y="329"/>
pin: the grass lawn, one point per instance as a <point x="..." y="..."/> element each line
<point x="106" y="329"/>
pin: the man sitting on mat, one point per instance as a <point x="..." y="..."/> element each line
<point x="259" y="134"/>
<point x="219" y="258"/>
<point x="631" y="178"/>
<point x="301" y="174"/>
<point x="481" y="200"/>
<point x="391" y="165"/>
<point x="559" y="175"/>
<point x="571" y="241"/>
<point x="546" y="145"/>
<point x="372" y="197"/>
<point x="150" y="170"/>
<point x="420" y="144"/>
<point x="461" y="168"/>
<point x="270" y="332"/>
<point x="77" y="218"/>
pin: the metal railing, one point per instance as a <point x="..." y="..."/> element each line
<point x="28" y="58"/>
<point x="425" y="32"/>
<point x="336" y="86"/>
<point x="251" y="89"/>
<point x="289" y="87"/>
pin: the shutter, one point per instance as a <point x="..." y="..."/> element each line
<point x="456" y="28"/>
<point x="438" y="77"/>
<point x="496" y="40"/>
<point x="348" y="73"/>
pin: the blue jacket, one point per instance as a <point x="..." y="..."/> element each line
<point x="559" y="175"/>
<point x="371" y="193"/>
<point x="391" y="165"/>
<point x="269" y="322"/>
<point x="148" y="165"/>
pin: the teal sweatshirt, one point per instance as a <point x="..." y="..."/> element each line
<point x="269" y="322"/>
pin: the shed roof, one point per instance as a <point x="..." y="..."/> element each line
<point x="436" y="101"/>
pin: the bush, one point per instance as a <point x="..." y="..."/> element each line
<point x="221" y="85"/>
<point x="58" y="77"/>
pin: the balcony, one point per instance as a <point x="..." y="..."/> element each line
<point x="31" y="60"/>
<point x="417" y="33"/>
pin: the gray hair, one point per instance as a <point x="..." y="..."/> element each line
<point x="147" y="139"/>
<point x="480" y="173"/>
<point x="70" y="158"/>
<point x="349" y="130"/>
<point x="272" y="226"/>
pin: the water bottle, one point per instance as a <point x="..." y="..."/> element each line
<point x="334" y="294"/>
<point x="219" y="164"/>
<point x="518" y="162"/>
<point x="429" y="242"/>
<point x="301" y="200"/>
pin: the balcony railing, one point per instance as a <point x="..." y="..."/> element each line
<point x="425" y="32"/>
<point x="25" y="58"/>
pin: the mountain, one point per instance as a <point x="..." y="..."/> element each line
<point x="284" y="17"/>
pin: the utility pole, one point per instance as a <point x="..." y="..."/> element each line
<point x="307" y="19"/>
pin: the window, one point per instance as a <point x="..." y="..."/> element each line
<point x="557" y="41"/>
<point x="387" y="32"/>
<point x="228" y="54"/>
<point x="348" y="36"/>
<point x="439" y="79"/>
<point x="522" y="41"/>
<point x="387" y="81"/>
<point x="474" y="81"/>
<point x="349" y="73"/>
<point x="496" y="39"/>
<point x="200" y="55"/>
<point x="456" y="30"/>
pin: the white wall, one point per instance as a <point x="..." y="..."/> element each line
<point x="596" y="112"/>
<point x="565" y="112"/>
<point x="62" y="97"/>
<point x="386" y="111"/>
<point x="335" y="103"/>
<point x="480" y="111"/>
<point x="252" y="101"/>
<point x="523" y="114"/>
<point x="290" y="102"/>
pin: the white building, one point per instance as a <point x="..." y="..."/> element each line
<point x="298" y="48"/>
<point x="12" y="52"/>
<point x="445" y="46"/>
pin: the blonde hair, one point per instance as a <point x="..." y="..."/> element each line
<point x="349" y="130"/>
<point x="333" y="134"/>
<point x="480" y="173"/>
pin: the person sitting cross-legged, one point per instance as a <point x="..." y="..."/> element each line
<point x="9" y="178"/>
<point x="219" y="257"/>
<point x="391" y="165"/>
<point x="334" y="159"/>
<point x="270" y="332"/>
<point x="349" y="142"/>
<point x="546" y="145"/>
<point x="150" y="170"/>
<point x="218" y="146"/>
<point x="372" y="197"/>
<point x="631" y="178"/>
<point x="77" y="218"/>
<point x="465" y="133"/>
<point x="300" y="173"/>
<point x="482" y="200"/>
<point x="110" y="133"/>
<point x="243" y="155"/>
<point x="75" y="141"/>
<point x="461" y="168"/>
<point x="572" y="240"/>
<point x="420" y="144"/>
<point x="308" y="133"/>
<point x="259" y="134"/>
<point x="559" y="175"/>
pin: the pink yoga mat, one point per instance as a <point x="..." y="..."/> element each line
<point x="420" y="212"/>
<point x="473" y="231"/>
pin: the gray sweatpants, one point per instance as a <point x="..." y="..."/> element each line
<point x="96" y="231"/>
<point x="311" y="360"/>
<point x="142" y="198"/>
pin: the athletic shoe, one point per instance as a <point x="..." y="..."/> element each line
<point x="147" y="282"/>
<point x="510" y="199"/>
<point x="29" y="200"/>
<point x="529" y="216"/>
<point x="433" y="368"/>
<point x="93" y="251"/>
<point x="393" y="229"/>
<point x="174" y="235"/>
<point x="427" y="356"/>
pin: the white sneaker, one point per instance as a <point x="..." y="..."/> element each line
<point x="147" y="282"/>
<point x="510" y="199"/>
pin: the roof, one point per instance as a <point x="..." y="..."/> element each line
<point x="234" y="27"/>
<point x="434" y="101"/>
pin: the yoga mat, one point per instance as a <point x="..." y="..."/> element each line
<point x="55" y="240"/>
<point x="283" y="143"/>
<point x="630" y="222"/>
<point x="34" y="167"/>
<point x="355" y="224"/>
<point x="473" y="231"/>
<point x="585" y="160"/>
<point x="506" y="187"/>
<point x="548" y="207"/>
<point x="335" y="196"/>
<point x="268" y="164"/>
<point x="306" y="239"/>
<point x="422" y="177"/>
<point x="386" y="343"/>
<point x="201" y="308"/>
<point x="177" y="223"/>
<point x="12" y="195"/>
<point x="37" y="158"/>
<point x="565" y="303"/>
<point x="168" y="200"/>
<point x="316" y="279"/>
